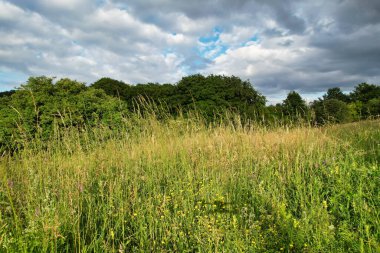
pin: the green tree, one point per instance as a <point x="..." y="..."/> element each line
<point x="362" y="95"/>
<point x="364" y="92"/>
<point x="40" y="105"/>
<point x="336" y="93"/>
<point x="113" y="87"/>
<point x="331" y="111"/>
<point x="215" y="93"/>
<point x="7" y="93"/>
<point x="294" y="106"/>
<point x="373" y="107"/>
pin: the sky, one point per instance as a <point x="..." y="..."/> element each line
<point x="278" y="45"/>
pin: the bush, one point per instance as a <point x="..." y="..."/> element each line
<point x="331" y="111"/>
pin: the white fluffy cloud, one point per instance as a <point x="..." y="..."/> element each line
<point x="279" y="45"/>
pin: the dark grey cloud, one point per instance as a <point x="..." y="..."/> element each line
<point x="65" y="12"/>
<point x="307" y="46"/>
<point x="352" y="14"/>
<point x="225" y="11"/>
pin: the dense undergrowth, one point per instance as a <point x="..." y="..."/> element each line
<point x="181" y="185"/>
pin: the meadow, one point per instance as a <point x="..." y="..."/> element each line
<point x="183" y="185"/>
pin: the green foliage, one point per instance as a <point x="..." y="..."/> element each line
<point x="41" y="106"/>
<point x="294" y="106"/>
<point x="336" y="93"/>
<point x="214" y="93"/>
<point x="373" y="106"/>
<point x="208" y="95"/>
<point x="331" y="111"/>
<point x="336" y="107"/>
<point x="6" y="93"/>
<point x="113" y="87"/>
<point x="364" y="92"/>
<point x="158" y="94"/>
<point x="8" y="124"/>
<point x="365" y="97"/>
<point x="353" y="109"/>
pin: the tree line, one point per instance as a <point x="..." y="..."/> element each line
<point x="42" y="105"/>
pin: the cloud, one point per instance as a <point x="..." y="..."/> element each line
<point x="279" y="46"/>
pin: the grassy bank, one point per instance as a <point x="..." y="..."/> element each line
<point x="181" y="186"/>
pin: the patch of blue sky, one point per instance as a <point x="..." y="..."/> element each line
<point x="100" y="2"/>
<point x="254" y="39"/>
<point x="186" y="69"/>
<point x="218" y="29"/>
<point x="198" y="64"/>
<point x="209" y="39"/>
<point x="211" y="46"/>
<point x="214" y="37"/>
<point x="120" y="5"/>
<point x="11" y="79"/>
<point x="167" y="51"/>
<point x="214" y="51"/>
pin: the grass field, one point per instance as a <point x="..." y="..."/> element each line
<point x="181" y="186"/>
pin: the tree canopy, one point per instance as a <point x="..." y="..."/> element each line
<point x="294" y="105"/>
<point x="42" y="105"/>
<point x="336" y="93"/>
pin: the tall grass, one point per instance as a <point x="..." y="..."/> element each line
<point x="182" y="185"/>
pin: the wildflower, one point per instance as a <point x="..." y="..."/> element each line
<point x="324" y="203"/>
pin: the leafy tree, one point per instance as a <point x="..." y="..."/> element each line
<point x="6" y="93"/>
<point x="365" y="98"/>
<point x="154" y="92"/>
<point x="208" y="95"/>
<point x="331" y="111"/>
<point x="113" y="87"/>
<point x="274" y="115"/>
<point x="8" y="123"/>
<point x="40" y="105"/>
<point x="151" y="92"/>
<point x="336" y="93"/>
<point x="215" y="93"/>
<point x="364" y="92"/>
<point x="373" y="107"/>
<point x="294" y="106"/>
